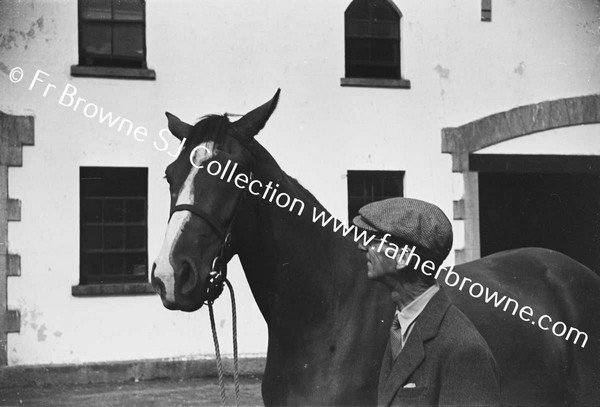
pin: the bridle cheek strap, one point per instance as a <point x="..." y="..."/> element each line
<point x="218" y="273"/>
<point x="216" y="224"/>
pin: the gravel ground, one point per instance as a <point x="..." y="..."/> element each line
<point x="191" y="392"/>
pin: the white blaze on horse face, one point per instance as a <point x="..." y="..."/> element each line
<point x="165" y="264"/>
<point x="200" y="154"/>
<point x="165" y="270"/>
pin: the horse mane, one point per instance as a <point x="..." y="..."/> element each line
<point x="303" y="190"/>
<point x="262" y="153"/>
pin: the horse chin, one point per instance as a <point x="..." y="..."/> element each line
<point x="192" y="300"/>
<point x="184" y="304"/>
<point x="190" y="307"/>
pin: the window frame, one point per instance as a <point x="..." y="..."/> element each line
<point x="107" y="283"/>
<point x="399" y="81"/>
<point x="396" y="176"/>
<point x="119" y="68"/>
<point x="486" y="10"/>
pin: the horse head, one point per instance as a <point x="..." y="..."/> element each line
<point x="204" y="204"/>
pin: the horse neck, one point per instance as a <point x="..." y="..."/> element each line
<point x="287" y="257"/>
<point x="310" y="285"/>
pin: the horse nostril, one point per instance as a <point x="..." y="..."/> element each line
<point x="152" y="278"/>
<point x="187" y="278"/>
<point x="159" y="287"/>
<point x="157" y="284"/>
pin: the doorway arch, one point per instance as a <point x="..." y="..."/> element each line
<point x="461" y="141"/>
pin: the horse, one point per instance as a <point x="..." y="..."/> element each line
<point x="328" y="325"/>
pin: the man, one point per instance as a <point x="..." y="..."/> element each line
<point x="435" y="356"/>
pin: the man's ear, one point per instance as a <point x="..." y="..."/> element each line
<point x="401" y="262"/>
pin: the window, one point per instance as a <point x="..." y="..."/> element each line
<point x="113" y="228"/>
<point x="486" y="10"/>
<point x="112" y="34"/>
<point x="372" y="35"/>
<point x="369" y="186"/>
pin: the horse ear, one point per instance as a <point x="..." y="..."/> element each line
<point x="253" y="122"/>
<point x="178" y="128"/>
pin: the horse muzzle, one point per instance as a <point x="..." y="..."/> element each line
<point x="182" y="289"/>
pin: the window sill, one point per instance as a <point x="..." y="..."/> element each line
<point x="376" y="83"/>
<point x="112" y="72"/>
<point x="96" y="290"/>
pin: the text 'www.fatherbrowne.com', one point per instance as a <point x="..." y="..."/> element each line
<point x="453" y="279"/>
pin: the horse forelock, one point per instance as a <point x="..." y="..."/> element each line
<point x="211" y="127"/>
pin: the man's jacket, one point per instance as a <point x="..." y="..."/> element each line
<point x="445" y="361"/>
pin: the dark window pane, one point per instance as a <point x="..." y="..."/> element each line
<point x="355" y="184"/>
<point x="385" y="29"/>
<point x="358" y="9"/>
<point x="129" y="10"/>
<point x="382" y="10"/>
<point x="91" y="210"/>
<point x="108" y="181"/>
<point x="358" y="28"/>
<point x="372" y="71"/>
<point x="92" y="264"/>
<point x="391" y="186"/>
<point x="96" y="38"/>
<point x="384" y="51"/>
<point x="113" y="225"/>
<point x="136" y="237"/>
<point x="91" y="237"/>
<point x="135" y="210"/>
<point x="128" y="41"/>
<point x="114" y="210"/>
<point x="113" y="237"/>
<point x="96" y="9"/>
<point x="357" y="49"/>
<point x="114" y="264"/>
<point x="112" y="33"/>
<point x="136" y="264"/>
<point x="376" y="189"/>
<point x="372" y="39"/>
<point x="369" y="186"/>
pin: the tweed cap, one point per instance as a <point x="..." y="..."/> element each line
<point x="411" y="220"/>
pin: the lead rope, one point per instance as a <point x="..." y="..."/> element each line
<point x="236" y="377"/>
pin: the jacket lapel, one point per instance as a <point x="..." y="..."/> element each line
<point x="386" y="367"/>
<point x="413" y="353"/>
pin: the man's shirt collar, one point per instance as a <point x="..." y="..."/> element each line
<point x="410" y="313"/>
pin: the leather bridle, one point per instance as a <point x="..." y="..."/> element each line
<point x="218" y="273"/>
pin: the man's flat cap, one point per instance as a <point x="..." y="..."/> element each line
<point x="410" y="220"/>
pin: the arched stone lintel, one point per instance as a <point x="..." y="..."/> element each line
<point x="520" y="121"/>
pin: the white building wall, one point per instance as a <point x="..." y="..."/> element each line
<point x="216" y="56"/>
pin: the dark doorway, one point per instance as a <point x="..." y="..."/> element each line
<point x="555" y="210"/>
